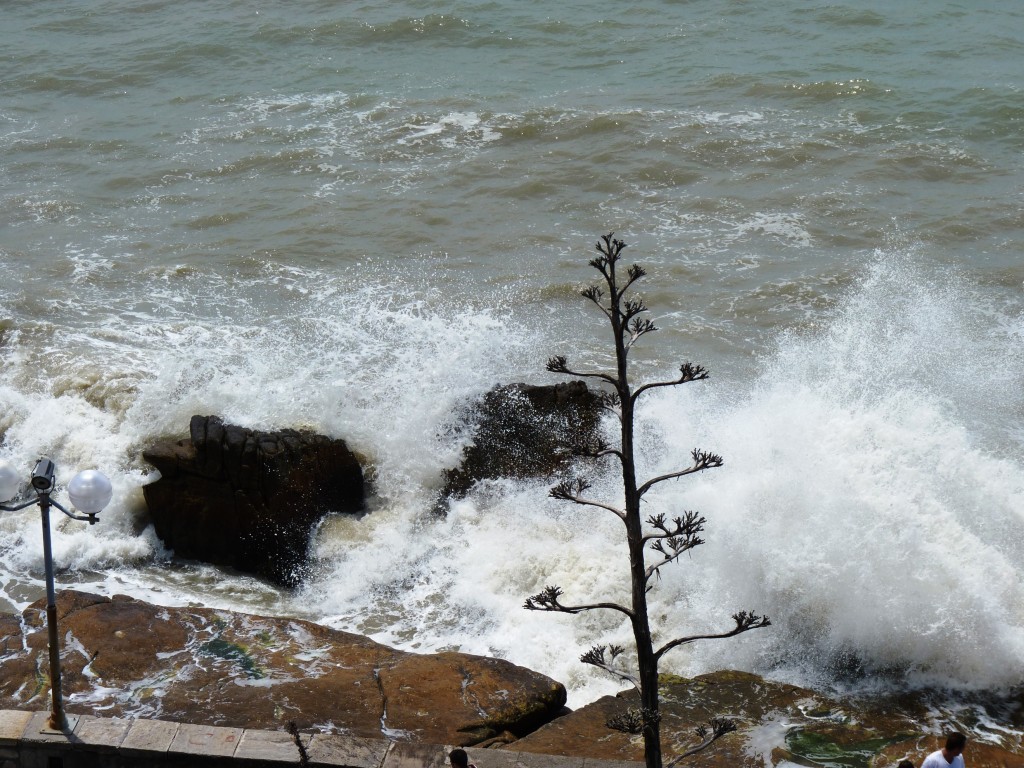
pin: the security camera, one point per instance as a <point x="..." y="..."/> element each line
<point x="42" y="476"/>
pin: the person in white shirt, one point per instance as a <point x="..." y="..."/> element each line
<point x="950" y="756"/>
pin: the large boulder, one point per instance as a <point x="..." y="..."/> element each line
<point x="779" y="724"/>
<point x="247" y="499"/>
<point x="525" y="431"/>
<point x="126" y="658"/>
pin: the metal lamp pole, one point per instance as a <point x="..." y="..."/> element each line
<point x="90" y="492"/>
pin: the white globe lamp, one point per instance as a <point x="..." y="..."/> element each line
<point x="90" y="491"/>
<point x="10" y="481"/>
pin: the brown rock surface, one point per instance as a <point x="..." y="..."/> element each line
<point x="778" y="722"/>
<point x="124" y="657"/>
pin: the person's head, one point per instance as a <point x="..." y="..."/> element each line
<point x="458" y="758"/>
<point x="905" y="764"/>
<point x="955" y="743"/>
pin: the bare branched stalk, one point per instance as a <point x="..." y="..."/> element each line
<point x="667" y="539"/>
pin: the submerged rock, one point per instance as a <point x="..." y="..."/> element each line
<point x="250" y="500"/>
<point x="126" y="658"/>
<point x="526" y="431"/>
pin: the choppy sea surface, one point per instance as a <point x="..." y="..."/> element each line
<point x="355" y="217"/>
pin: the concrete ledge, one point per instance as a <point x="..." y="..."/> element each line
<point x="205" y="740"/>
<point x="96" y="742"/>
<point x="38" y="730"/>
<point x="269" y="746"/>
<point x="405" y="754"/>
<point x="102" y="734"/>
<point x="333" y="750"/>
<point x="149" y="737"/>
<point x="12" y="726"/>
<point x="495" y="758"/>
<point x="530" y="760"/>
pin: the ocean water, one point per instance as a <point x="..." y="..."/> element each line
<point x="355" y="217"/>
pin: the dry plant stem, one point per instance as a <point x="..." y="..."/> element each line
<point x="667" y="539"/>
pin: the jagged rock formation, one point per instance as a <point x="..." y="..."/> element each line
<point x="250" y="500"/>
<point x="123" y="657"/>
<point x="526" y="431"/>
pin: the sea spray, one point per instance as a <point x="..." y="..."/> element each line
<point x="859" y="508"/>
<point x="869" y="503"/>
<point x="286" y="236"/>
<point x="386" y="371"/>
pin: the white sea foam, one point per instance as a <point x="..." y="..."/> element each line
<point x="858" y="508"/>
<point x="786" y="226"/>
<point x="737" y="118"/>
<point x="869" y="503"/>
<point x="196" y="245"/>
<point x="451" y="127"/>
<point x="861" y="505"/>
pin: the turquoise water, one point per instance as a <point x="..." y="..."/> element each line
<point x="352" y="217"/>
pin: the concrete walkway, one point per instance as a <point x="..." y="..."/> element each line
<point x="96" y="742"/>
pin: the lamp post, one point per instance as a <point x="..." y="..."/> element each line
<point x="90" y="492"/>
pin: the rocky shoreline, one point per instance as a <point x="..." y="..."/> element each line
<point x="126" y="658"/>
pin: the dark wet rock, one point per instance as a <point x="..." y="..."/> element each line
<point x="247" y="499"/>
<point x="778" y="722"/>
<point x="526" y="431"/>
<point x="127" y="658"/>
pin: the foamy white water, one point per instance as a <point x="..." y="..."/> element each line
<point x="860" y="507"/>
<point x="870" y="502"/>
<point x="356" y="219"/>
